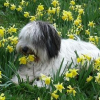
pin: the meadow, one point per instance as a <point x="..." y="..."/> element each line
<point x="72" y="19"/>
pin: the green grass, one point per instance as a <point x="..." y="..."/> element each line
<point x="9" y="61"/>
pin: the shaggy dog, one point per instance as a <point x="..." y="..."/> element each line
<point x="41" y="39"/>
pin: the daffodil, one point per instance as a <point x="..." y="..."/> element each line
<point x="71" y="36"/>
<point x="2" y="96"/>
<point x="81" y="11"/>
<point x="12" y="29"/>
<point x="46" y="79"/>
<point x="72" y="2"/>
<point x="91" y="24"/>
<point x="55" y="3"/>
<point x="23" y="60"/>
<point x="30" y="58"/>
<point x="10" y="48"/>
<point x="87" y="32"/>
<point x="6" y="4"/>
<point x="32" y="18"/>
<point x="40" y="7"/>
<point x="74" y="72"/>
<point x="22" y="2"/>
<point x="97" y="78"/>
<point x="54" y="95"/>
<point x="26" y="14"/>
<point x="67" y="15"/>
<point x="71" y="90"/>
<point x="19" y="8"/>
<point x="2" y="30"/>
<point x="77" y="22"/>
<point x="89" y="79"/>
<point x="59" y="87"/>
<point x="13" y="7"/>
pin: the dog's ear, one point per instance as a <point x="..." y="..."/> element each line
<point x="50" y="38"/>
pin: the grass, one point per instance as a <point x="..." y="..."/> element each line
<point x="9" y="60"/>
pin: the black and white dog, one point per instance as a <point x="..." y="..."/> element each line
<point x="41" y="39"/>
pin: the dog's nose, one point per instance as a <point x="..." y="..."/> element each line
<point x="25" y="49"/>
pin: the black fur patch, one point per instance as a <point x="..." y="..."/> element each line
<point x="50" y="39"/>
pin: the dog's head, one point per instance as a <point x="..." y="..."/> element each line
<point x="39" y="38"/>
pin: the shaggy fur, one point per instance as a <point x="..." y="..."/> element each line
<point x="41" y="39"/>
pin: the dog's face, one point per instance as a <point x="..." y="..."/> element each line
<point x="40" y="39"/>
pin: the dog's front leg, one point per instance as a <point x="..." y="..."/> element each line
<point x="24" y="73"/>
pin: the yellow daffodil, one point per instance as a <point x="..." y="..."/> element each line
<point x="97" y="78"/>
<point x="72" y="2"/>
<point x="23" y="60"/>
<point x="80" y="59"/>
<point x="77" y="22"/>
<point x="32" y="18"/>
<point x="87" y="32"/>
<point x="22" y="2"/>
<point x="89" y="79"/>
<point x="2" y="30"/>
<point x="71" y="90"/>
<point x="26" y="14"/>
<point x="54" y="95"/>
<point x="68" y="75"/>
<point x="91" y="24"/>
<point x="19" y="8"/>
<point x="74" y="72"/>
<point x="55" y="3"/>
<point x="2" y="96"/>
<point x="40" y="7"/>
<point x="46" y="79"/>
<point x="13" y="7"/>
<point x="81" y="11"/>
<point x="12" y="29"/>
<point x="67" y="15"/>
<point x="6" y="4"/>
<point x="71" y="36"/>
<point x="30" y="58"/>
<point x="10" y="48"/>
<point x="59" y="87"/>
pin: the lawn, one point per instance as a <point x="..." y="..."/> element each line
<point x="72" y="19"/>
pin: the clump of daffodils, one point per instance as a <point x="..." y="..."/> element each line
<point x="26" y="59"/>
<point x="97" y="78"/>
<point x="71" y="73"/>
<point x="83" y="58"/>
<point x="97" y="64"/>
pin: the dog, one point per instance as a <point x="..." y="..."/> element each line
<point x="42" y="40"/>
